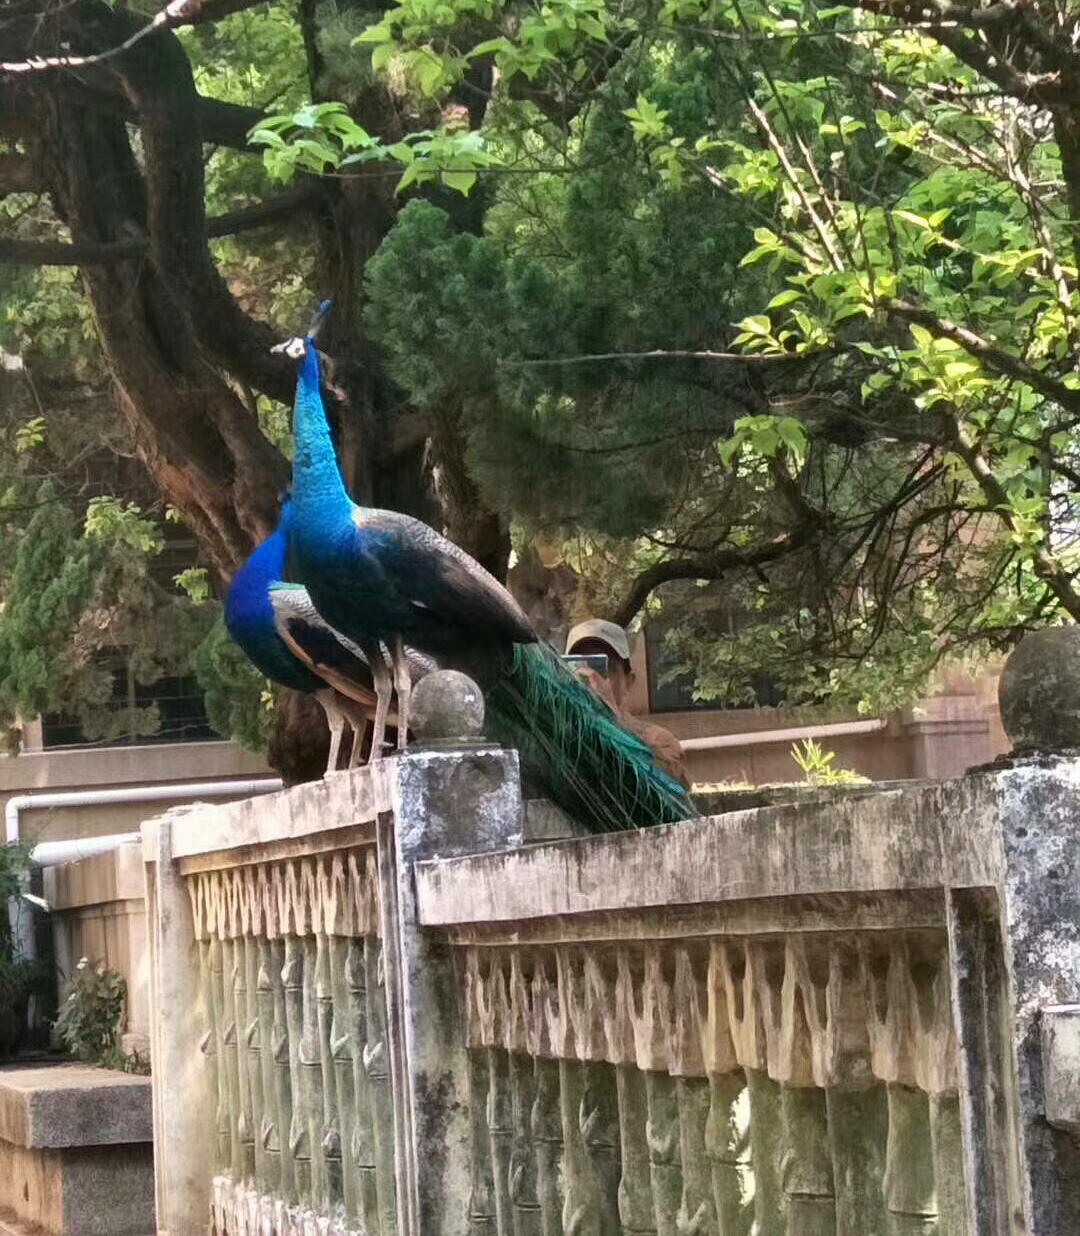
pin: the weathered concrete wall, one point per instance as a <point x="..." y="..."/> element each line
<point x="98" y="909"/>
<point x="809" y="1018"/>
<point x="111" y="768"/>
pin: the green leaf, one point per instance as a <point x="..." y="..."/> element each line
<point x="784" y="298"/>
<point x="461" y="181"/>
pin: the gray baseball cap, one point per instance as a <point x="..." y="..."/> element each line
<point x="609" y="633"/>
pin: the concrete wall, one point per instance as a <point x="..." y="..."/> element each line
<point x="99" y="912"/>
<point x="952" y="730"/>
<point x="113" y="767"/>
<point x="76" y="1155"/>
<point x="816" y="1017"/>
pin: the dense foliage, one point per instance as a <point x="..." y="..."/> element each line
<point x="757" y="316"/>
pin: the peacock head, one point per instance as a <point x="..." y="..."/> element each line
<point x="299" y="346"/>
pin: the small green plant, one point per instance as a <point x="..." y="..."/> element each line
<point x="89" y="1020"/>
<point x="817" y="765"/>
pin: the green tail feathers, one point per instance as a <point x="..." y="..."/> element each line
<point x="600" y="774"/>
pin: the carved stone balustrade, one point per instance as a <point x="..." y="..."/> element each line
<point x="376" y="1010"/>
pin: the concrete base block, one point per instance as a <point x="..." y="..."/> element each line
<point x="76" y="1157"/>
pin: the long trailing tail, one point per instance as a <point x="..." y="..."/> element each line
<point x="601" y="775"/>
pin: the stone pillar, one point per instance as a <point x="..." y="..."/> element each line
<point x="452" y="795"/>
<point x="184" y="1102"/>
<point x="1016" y="954"/>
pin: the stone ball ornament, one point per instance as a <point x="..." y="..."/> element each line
<point x="1039" y="691"/>
<point x="446" y="707"/>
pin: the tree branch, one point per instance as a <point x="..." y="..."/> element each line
<point x="731" y="358"/>
<point x="176" y="13"/>
<point x="247" y="219"/>
<point x="994" y="358"/>
<point x="715" y="566"/>
<point x="1047" y="567"/>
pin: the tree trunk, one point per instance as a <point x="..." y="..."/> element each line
<point x="175" y="339"/>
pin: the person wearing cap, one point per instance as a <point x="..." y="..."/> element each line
<point x="597" y="637"/>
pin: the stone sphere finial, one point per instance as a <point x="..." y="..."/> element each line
<point x="446" y="709"/>
<point x="1039" y="691"/>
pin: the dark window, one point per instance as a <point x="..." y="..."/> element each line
<point x="180" y="706"/>
<point x="676" y="694"/>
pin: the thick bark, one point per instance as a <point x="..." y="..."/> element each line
<point x="201" y="445"/>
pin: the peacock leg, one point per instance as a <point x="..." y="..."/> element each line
<point x="384" y="688"/>
<point x="335" y="719"/>
<point x="403" y="685"/>
<point x="358" y="720"/>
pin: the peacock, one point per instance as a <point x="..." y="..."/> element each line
<point x="277" y="626"/>
<point x="384" y="578"/>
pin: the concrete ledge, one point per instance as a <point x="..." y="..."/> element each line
<point x="926" y="837"/>
<point x="96" y="879"/>
<point x="60" y="1106"/>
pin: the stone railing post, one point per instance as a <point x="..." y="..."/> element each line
<point x="184" y="1140"/>
<point x="1012" y="962"/>
<point x="452" y="795"/>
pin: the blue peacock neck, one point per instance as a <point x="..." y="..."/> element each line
<point x="318" y="490"/>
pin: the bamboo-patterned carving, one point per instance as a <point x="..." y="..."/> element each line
<point x="252" y="1061"/>
<point x="766" y="1136"/>
<point x="377" y="1067"/>
<point x="211" y="1046"/>
<point x="581" y="1214"/>
<point x="216" y="1011"/>
<point x="292" y="977"/>
<point x="820" y="1013"/>
<point x="330" y="1139"/>
<point x="635" y="1194"/>
<point x="500" y="1123"/>
<point x="361" y="1135"/>
<point x="727" y="1146"/>
<point x="335" y="894"/>
<point x="546" y="1125"/>
<point x="665" y="1168"/>
<point x="599" y="1123"/>
<point x="282" y="1074"/>
<point x="311" y="1077"/>
<point x="267" y="1134"/>
<point x="806" y="1173"/>
<point x="948" y="1151"/>
<point x="858" y="1129"/>
<point x="345" y="1099"/>
<point x="910" y="1196"/>
<point x="295" y="1045"/>
<point x="526" y="1217"/>
<point x="697" y="1210"/>
<point x="738" y="1085"/>
<point x="482" y="1216"/>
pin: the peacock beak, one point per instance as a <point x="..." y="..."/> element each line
<point x="293" y="348"/>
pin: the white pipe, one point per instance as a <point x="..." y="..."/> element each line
<point x="758" y="738"/>
<point x="52" y="853"/>
<point x="131" y="794"/>
<point x="20" y="925"/>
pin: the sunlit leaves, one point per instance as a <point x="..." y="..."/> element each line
<point x="324" y="139"/>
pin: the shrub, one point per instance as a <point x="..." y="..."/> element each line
<point x="90" y="1016"/>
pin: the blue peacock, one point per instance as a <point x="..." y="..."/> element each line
<point x="384" y="579"/>
<point x="277" y="626"/>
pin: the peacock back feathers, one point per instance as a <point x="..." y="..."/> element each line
<point x="599" y="773"/>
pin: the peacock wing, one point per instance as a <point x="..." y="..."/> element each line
<point x="326" y="652"/>
<point x="432" y="573"/>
